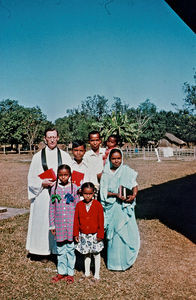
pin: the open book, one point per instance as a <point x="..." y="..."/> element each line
<point x="48" y="174"/>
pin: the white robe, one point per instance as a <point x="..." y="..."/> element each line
<point x="39" y="239"/>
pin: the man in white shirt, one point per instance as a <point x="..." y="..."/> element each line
<point x="39" y="239"/>
<point x="94" y="158"/>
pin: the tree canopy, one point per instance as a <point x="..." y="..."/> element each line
<point x="21" y="125"/>
<point x="24" y="125"/>
<point x="190" y="92"/>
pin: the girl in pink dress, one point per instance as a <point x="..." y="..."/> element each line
<point x="63" y="201"/>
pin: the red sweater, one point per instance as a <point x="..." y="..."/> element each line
<point x="89" y="222"/>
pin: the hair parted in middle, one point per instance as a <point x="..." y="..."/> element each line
<point x="88" y="185"/>
<point x="63" y="167"/>
<point x="113" y="151"/>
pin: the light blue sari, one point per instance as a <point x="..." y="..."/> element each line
<point x="122" y="233"/>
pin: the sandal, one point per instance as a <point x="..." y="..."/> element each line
<point x="58" y="277"/>
<point x="94" y="280"/>
<point x="83" y="278"/>
<point x="70" y="279"/>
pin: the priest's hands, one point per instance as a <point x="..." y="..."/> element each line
<point x="47" y="183"/>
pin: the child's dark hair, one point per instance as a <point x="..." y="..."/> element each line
<point x="88" y="185"/>
<point x="113" y="151"/>
<point x="63" y="167"/>
<point x="93" y="132"/>
<point x="114" y="136"/>
<point x="78" y="143"/>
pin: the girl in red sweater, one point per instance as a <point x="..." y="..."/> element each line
<point x="89" y="229"/>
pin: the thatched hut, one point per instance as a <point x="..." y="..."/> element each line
<point x="171" y="140"/>
<point x="127" y="147"/>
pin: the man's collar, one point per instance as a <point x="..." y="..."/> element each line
<point x="50" y="150"/>
<point x="101" y="151"/>
<point x="79" y="164"/>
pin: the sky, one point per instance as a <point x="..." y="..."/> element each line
<point x="56" y="53"/>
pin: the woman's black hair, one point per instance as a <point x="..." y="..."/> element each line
<point x="88" y="185"/>
<point x="113" y="151"/>
<point x="63" y="167"/>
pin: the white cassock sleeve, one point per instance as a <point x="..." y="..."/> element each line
<point x="34" y="182"/>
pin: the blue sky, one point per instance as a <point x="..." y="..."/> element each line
<point x="55" y="53"/>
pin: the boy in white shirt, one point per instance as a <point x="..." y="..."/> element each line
<point x="94" y="158"/>
<point x="78" y="163"/>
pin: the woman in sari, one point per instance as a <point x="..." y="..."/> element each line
<point x="122" y="233"/>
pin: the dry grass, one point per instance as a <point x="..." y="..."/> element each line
<point x="165" y="265"/>
<point x="13" y="182"/>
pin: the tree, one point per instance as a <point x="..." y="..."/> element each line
<point x="76" y="125"/>
<point x="63" y="127"/>
<point x="33" y="125"/>
<point x="145" y="116"/>
<point x="182" y="124"/>
<point x="147" y="108"/>
<point x="20" y="125"/>
<point x="190" y="99"/>
<point x="118" y="107"/>
<point x="11" y="115"/>
<point x="95" y="107"/>
<point x="118" y="124"/>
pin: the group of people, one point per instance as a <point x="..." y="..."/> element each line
<point x="66" y="217"/>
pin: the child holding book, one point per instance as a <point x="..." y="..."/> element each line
<point x="80" y="173"/>
<point x="63" y="201"/>
<point x="89" y="229"/>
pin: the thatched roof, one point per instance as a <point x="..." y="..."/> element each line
<point x="126" y="146"/>
<point x="172" y="138"/>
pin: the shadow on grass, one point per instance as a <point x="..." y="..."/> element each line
<point x="173" y="203"/>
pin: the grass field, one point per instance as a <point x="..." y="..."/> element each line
<point x="166" y="219"/>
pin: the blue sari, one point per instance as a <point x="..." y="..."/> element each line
<point x="123" y="241"/>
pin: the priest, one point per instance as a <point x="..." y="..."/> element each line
<point x="39" y="239"/>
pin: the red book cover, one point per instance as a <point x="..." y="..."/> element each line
<point x="48" y="174"/>
<point x="77" y="177"/>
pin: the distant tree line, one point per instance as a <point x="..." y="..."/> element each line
<point x="24" y="125"/>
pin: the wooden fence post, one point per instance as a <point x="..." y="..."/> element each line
<point x="144" y="155"/>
